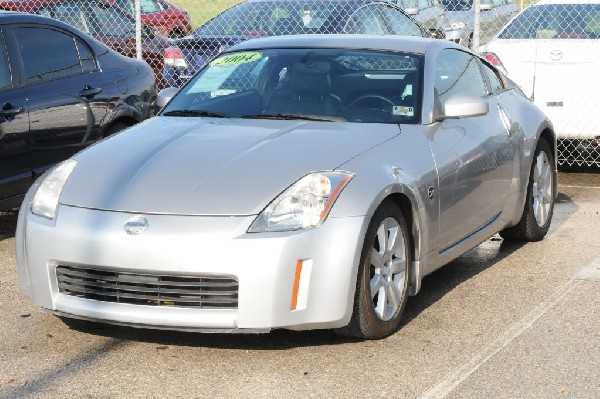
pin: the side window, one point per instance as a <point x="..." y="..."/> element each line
<point x="367" y="20"/>
<point x="401" y="24"/>
<point x="5" y="78"/>
<point x="496" y="84"/>
<point x="150" y="6"/>
<point x="127" y="5"/>
<point x="109" y="21"/>
<point x="70" y="13"/>
<point x="47" y="54"/>
<point x="458" y="72"/>
<point x="87" y="58"/>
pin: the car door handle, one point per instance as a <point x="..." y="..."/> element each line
<point x="10" y="110"/>
<point x="89" y="91"/>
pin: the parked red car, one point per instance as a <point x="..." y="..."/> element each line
<point x="103" y="20"/>
<point x="167" y="19"/>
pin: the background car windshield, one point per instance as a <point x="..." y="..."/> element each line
<point x="556" y="21"/>
<point x="457" y="5"/>
<point x="270" y="19"/>
<point x="348" y="85"/>
<point x="147" y="6"/>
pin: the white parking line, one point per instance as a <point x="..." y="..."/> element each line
<point x="461" y="373"/>
<point x="574" y="186"/>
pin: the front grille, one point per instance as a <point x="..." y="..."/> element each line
<point x="148" y="289"/>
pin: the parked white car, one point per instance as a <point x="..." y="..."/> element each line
<point x="552" y="51"/>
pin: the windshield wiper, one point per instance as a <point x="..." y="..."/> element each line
<point x="191" y="112"/>
<point x="294" y="116"/>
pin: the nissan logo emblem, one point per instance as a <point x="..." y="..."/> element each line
<point x="136" y="225"/>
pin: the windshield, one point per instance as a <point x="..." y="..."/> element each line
<point x="457" y="5"/>
<point x="556" y="21"/>
<point x="266" y="19"/>
<point x="317" y="84"/>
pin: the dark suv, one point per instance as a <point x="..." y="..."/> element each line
<point x="60" y="90"/>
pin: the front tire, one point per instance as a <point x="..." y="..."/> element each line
<point x="539" y="204"/>
<point x="383" y="275"/>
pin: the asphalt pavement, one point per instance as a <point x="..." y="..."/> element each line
<point x="506" y="320"/>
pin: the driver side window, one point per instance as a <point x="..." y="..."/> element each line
<point x="458" y="72"/>
<point x="5" y="78"/>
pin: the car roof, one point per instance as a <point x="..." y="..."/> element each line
<point x="545" y="2"/>
<point x="410" y="44"/>
<point x="15" y="17"/>
<point x="11" y="17"/>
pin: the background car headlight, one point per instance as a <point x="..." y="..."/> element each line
<point x="45" y="201"/>
<point x="303" y="205"/>
<point x="457" y="25"/>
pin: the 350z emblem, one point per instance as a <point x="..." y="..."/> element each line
<point x="136" y="225"/>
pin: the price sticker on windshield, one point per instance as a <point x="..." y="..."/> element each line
<point x="403" y="111"/>
<point x="238" y="58"/>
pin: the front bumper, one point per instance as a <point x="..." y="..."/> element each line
<point x="263" y="263"/>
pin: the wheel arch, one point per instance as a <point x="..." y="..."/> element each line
<point x="402" y="200"/>
<point x="125" y="119"/>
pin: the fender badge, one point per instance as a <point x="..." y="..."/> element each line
<point x="136" y="225"/>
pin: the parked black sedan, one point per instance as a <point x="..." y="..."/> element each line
<point x="60" y="90"/>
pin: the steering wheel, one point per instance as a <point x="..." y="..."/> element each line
<point x="366" y="97"/>
<point x="375" y="108"/>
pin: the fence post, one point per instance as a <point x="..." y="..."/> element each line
<point x="476" y="25"/>
<point x="138" y="29"/>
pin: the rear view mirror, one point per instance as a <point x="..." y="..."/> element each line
<point x="463" y="106"/>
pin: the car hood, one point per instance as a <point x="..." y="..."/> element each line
<point x="210" y="166"/>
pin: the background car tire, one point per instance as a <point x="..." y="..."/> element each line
<point x="540" y="198"/>
<point x="373" y="317"/>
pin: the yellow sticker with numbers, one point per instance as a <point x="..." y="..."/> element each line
<point x="237" y="58"/>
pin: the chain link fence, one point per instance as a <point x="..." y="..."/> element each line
<point x="551" y="51"/>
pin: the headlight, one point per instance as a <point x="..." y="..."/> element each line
<point x="303" y="205"/>
<point x="45" y="201"/>
<point x="457" y="25"/>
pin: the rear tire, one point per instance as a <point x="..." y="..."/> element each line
<point x="383" y="275"/>
<point x="539" y="204"/>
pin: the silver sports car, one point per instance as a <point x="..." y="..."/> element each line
<point x="296" y="182"/>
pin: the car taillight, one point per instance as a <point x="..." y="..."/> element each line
<point x="173" y="57"/>
<point x="493" y="59"/>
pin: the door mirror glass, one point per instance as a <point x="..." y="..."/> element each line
<point x="463" y="106"/>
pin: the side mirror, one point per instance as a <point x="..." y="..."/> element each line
<point x="164" y="96"/>
<point x="463" y="106"/>
<point x="485" y="7"/>
<point x="412" y="10"/>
